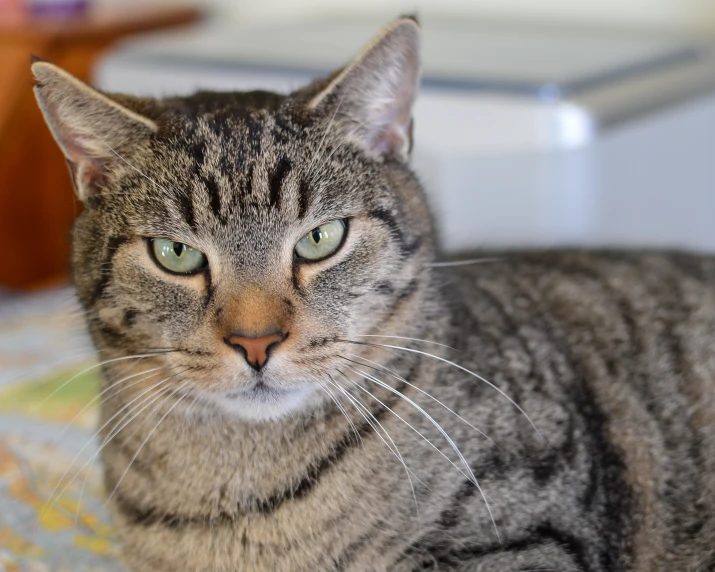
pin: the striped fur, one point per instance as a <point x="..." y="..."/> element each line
<point x="603" y="462"/>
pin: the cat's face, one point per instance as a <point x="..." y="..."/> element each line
<point x="250" y="235"/>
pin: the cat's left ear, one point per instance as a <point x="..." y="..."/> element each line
<point x="94" y="132"/>
<point x="371" y="99"/>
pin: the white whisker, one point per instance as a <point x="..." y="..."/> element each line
<point x="470" y="475"/>
<point x="325" y="134"/>
<point x="359" y="407"/>
<point x="462" y="262"/>
<point x="374" y="423"/>
<point x="127" y="406"/>
<point x="404" y="338"/>
<point x="96" y="397"/>
<point x="464" y="369"/>
<point x="324" y="162"/>
<point x="153" y="430"/>
<point x="334" y="398"/>
<point x="129" y="164"/>
<point x="87" y="370"/>
<point x="146" y="403"/>
<point x="403" y="380"/>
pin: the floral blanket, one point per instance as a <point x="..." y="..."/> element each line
<point x="52" y="512"/>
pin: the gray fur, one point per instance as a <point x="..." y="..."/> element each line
<point x="610" y="355"/>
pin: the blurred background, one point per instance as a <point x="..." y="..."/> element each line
<point x="540" y="124"/>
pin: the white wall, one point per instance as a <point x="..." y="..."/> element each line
<point x="666" y="15"/>
<point x="661" y="15"/>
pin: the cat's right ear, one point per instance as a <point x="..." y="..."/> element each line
<point x="93" y="131"/>
<point x="370" y="101"/>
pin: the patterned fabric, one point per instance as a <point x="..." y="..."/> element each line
<point x="52" y="513"/>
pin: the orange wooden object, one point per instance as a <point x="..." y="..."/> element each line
<point x="37" y="203"/>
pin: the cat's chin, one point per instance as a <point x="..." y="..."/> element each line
<point x="264" y="403"/>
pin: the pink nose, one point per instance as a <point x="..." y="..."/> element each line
<point x="255" y="349"/>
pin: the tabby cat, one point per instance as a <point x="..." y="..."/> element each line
<point x="292" y="384"/>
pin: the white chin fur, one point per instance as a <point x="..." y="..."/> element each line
<point x="266" y="405"/>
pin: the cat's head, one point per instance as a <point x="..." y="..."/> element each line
<point x="248" y="233"/>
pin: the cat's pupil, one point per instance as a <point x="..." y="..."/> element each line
<point x="178" y="249"/>
<point x="317" y="235"/>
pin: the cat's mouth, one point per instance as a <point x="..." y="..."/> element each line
<point x="262" y="401"/>
<point x="259" y="390"/>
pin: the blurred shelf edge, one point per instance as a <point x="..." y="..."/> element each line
<point x="37" y="204"/>
<point x="99" y="22"/>
<point x="581" y="81"/>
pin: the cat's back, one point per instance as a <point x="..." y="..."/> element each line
<point x="644" y="310"/>
<point x="637" y="334"/>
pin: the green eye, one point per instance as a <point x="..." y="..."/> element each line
<point x="177" y="257"/>
<point x="322" y="241"/>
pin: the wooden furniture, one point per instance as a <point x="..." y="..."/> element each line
<point x="37" y="203"/>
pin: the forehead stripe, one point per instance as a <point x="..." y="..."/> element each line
<point x="276" y="182"/>
<point x="304" y="194"/>
<point x="186" y="206"/>
<point x="214" y="195"/>
<point x="248" y="183"/>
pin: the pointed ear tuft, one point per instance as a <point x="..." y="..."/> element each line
<point x="92" y="129"/>
<point x="371" y="100"/>
<point x="412" y="17"/>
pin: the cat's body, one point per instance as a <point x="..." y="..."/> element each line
<point x="579" y="389"/>
<point x="611" y="357"/>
